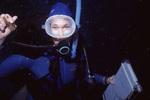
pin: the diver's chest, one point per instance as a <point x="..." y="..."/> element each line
<point x="68" y="72"/>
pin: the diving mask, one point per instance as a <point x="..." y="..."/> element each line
<point x="68" y="29"/>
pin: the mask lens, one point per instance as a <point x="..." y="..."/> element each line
<point x="61" y="27"/>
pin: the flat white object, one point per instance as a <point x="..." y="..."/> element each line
<point x="126" y="85"/>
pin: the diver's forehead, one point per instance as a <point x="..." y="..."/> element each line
<point x="60" y="21"/>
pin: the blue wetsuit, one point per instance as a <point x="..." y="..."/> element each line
<point x="52" y="76"/>
<point x="70" y="74"/>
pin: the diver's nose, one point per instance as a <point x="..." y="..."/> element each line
<point x="61" y="33"/>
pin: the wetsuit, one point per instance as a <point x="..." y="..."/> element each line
<point x="52" y="76"/>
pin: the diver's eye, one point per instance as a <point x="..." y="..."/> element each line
<point x="54" y="27"/>
<point x="67" y="27"/>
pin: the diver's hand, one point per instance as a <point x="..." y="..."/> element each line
<point x="6" y="26"/>
<point x="109" y="80"/>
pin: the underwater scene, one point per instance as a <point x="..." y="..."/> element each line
<point x="73" y="49"/>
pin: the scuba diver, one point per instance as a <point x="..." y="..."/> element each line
<point x="61" y="72"/>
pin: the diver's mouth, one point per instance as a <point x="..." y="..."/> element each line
<point x="59" y="39"/>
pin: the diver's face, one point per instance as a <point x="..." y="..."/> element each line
<point x="60" y="27"/>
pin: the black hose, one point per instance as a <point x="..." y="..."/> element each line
<point x="33" y="46"/>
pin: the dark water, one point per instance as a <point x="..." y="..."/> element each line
<point x="114" y="30"/>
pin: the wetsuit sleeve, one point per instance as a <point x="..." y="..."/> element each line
<point x="99" y="78"/>
<point x="14" y="63"/>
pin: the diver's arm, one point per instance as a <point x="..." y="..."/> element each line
<point x="14" y="63"/>
<point x="99" y="78"/>
<point x="6" y="26"/>
<point x="103" y="79"/>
